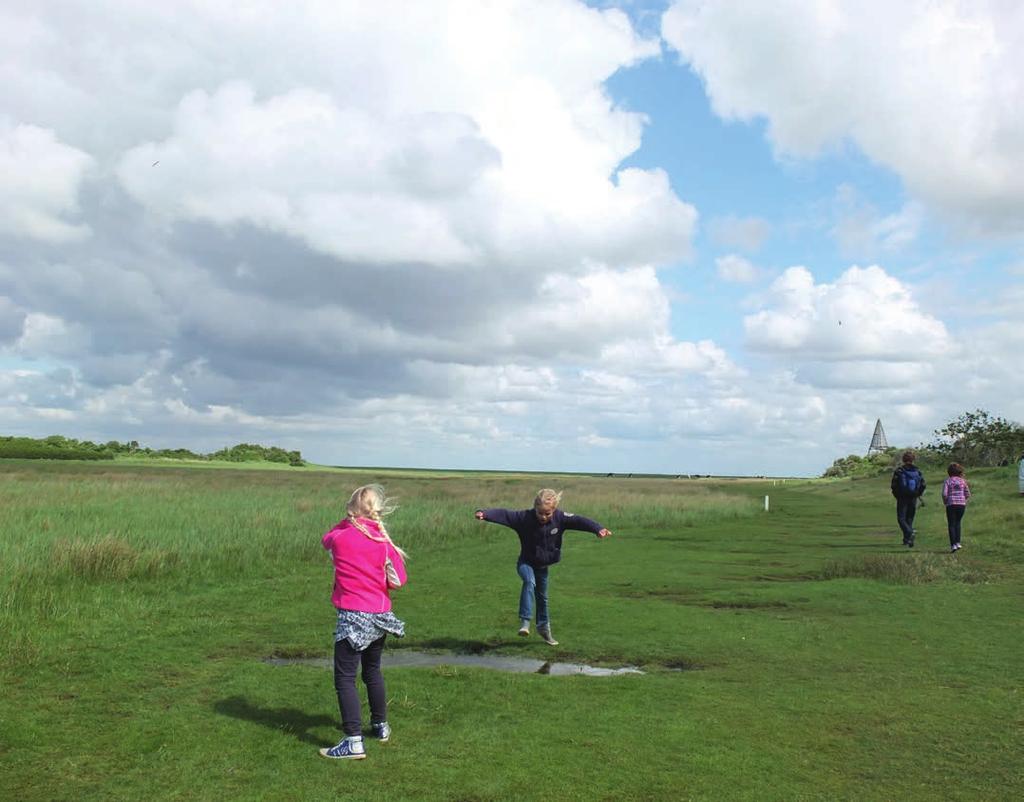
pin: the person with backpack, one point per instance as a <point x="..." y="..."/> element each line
<point x="907" y="486"/>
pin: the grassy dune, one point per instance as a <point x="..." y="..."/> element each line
<point x="795" y="654"/>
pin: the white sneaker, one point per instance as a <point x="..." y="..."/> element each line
<point x="545" y="634"/>
<point x="524" y="630"/>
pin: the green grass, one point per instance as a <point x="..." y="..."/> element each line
<point x="796" y="654"/>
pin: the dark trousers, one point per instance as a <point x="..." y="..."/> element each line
<point x="906" y="508"/>
<point x="346" y="663"/>
<point x="954" y="515"/>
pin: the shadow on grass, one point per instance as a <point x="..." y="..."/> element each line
<point x="282" y="719"/>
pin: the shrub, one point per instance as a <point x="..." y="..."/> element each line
<point x="854" y="466"/>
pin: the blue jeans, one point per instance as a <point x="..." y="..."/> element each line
<point x="535" y="584"/>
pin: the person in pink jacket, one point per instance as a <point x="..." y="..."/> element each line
<point x="367" y="564"/>
<point x="955" y="493"/>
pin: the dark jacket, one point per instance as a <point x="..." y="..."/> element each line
<point x="540" y="544"/>
<point x="897" y="487"/>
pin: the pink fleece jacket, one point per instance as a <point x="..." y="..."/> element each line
<point x="359" y="580"/>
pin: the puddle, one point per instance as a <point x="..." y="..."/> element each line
<point x="402" y="658"/>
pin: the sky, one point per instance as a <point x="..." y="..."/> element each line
<point x="653" y="237"/>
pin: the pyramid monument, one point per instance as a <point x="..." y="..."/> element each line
<point x="878" y="441"/>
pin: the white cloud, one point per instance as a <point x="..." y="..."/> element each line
<point x="736" y="269"/>
<point x="212" y="415"/>
<point x="47" y="336"/>
<point x="865" y="315"/>
<point x="869" y="373"/>
<point x="354" y="186"/>
<point x="41" y="180"/>
<point x="45" y="413"/>
<point x="12" y="321"/>
<point x="931" y="90"/>
<point x="862" y="231"/>
<point x="742" y="233"/>
<point x="417" y="186"/>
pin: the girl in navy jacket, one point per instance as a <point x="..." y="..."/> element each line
<point x="540" y="546"/>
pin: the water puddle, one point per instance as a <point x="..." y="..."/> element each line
<point x="402" y="658"/>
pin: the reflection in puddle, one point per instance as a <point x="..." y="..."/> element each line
<point x="402" y="658"/>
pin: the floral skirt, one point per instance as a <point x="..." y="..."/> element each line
<point x="362" y="629"/>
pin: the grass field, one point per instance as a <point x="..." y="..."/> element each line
<point x="799" y="654"/>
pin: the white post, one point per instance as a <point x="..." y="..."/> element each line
<point x="766" y="503"/>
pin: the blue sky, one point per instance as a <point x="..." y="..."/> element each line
<point x="675" y="237"/>
<point x="727" y="169"/>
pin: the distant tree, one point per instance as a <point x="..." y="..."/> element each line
<point x="54" y="447"/>
<point x="976" y="438"/>
<point x="251" y="452"/>
<point x="59" y="447"/>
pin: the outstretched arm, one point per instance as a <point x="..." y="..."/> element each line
<point x="584" y="524"/>
<point x="498" y="516"/>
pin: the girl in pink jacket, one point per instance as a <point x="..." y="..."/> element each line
<point x="955" y="493"/>
<point x="367" y="564"/>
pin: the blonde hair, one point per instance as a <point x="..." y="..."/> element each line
<point x="370" y="501"/>
<point x="547" y="498"/>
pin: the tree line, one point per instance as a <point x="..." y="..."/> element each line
<point x="59" y="447"/>
<point x="975" y="439"/>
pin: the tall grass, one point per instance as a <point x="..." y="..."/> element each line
<point x="905" y="569"/>
<point x="107" y="525"/>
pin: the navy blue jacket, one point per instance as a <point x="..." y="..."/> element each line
<point x="540" y="544"/>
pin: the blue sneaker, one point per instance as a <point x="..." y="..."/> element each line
<point x="381" y="731"/>
<point x="350" y="748"/>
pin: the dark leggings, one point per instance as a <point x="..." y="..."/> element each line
<point x="954" y="515"/>
<point x="346" y="663"/>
